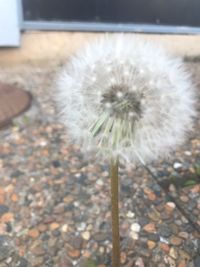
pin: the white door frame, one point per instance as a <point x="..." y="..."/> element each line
<point x="9" y="23"/>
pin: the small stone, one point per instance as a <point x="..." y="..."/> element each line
<point x="184" y="255"/>
<point x="14" y="197"/>
<point x="177" y="165"/>
<point x="123" y="257"/>
<point x="139" y="262"/>
<point x="150" y="228"/>
<point x="37" y="261"/>
<point x="150" y="194"/>
<point x="183" y="264"/>
<point x="64" y="228"/>
<point x="130" y="214"/>
<point x="187" y="153"/>
<point x="60" y="208"/>
<point x="172" y="188"/>
<point x="38" y="250"/>
<point x="176" y="241"/>
<point x="151" y="244"/>
<point x="81" y="226"/>
<point x="77" y="242"/>
<point x="7" y="217"/>
<point x="184" y="198"/>
<point x="54" y="226"/>
<point x="34" y="233"/>
<point x="86" y="235"/>
<point x="164" y="230"/>
<point x="74" y="253"/>
<point x="173" y="253"/>
<point x="170" y="206"/>
<point x="164" y="247"/>
<point x="154" y="216"/>
<point x="184" y="235"/>
<point x="100" y="182"/>
<point x="135" y="227"/>
<point x="42" y="227"/>
<point x="134" y="235"/>
<point x="100" y="236"/>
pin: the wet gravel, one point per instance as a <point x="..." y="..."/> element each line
<point x="55" y="202"/>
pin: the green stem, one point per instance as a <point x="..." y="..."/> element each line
<point x="115" y="213"/>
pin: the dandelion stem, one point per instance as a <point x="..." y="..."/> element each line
<point x="115" y="212"/>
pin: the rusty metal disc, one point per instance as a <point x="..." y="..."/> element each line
<point x="13" y="101"/>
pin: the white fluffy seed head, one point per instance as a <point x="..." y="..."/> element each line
<point x="122" y="96"/>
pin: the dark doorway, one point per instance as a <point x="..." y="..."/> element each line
<point x="165" y="12"/>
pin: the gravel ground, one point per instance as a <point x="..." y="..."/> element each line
<point x="55" y="203"/>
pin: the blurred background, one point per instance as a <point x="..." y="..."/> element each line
<point x="54" y="201"/>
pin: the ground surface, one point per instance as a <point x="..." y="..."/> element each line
<point x="55" y="205"/>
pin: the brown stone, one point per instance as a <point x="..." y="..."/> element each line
<point x="14" y="197"/>
<point x="68" y="199"/>
<point x="74" y="253"/>
<point x="195" y="189"/>
<point x="38" y="250"/>
<point x="151" y="244"/>
<point x="164" y="247"/>
<point x="150" y="194"/>
<point x="54" y="226"/>
<point x="182" y="264"/>
<point x="7" y="217"/>
<point x="150" y="228"/>
<point x="123" y="258"/>
<point x="34" y="233"/>
<point x="42" y="227"/>
<point x="176" y="241"/>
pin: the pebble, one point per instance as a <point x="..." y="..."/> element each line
<point x="170" y="206"/>
<point x="60" y="208"/>
<point x="150" y="228"/>
<point x="134" y="235"/>
<point x="86" y="235"/>
<point x="164" y="247"/>
<point x="130" y="214"/>
<point x="135" y="227"/>
<point x="34" y="233"/>
<point x="184" y="235"/>
<point x="77" y="242"/>
<point x="164" y="230"/>
<point x="123" y="258"/>
<point x="173" y="253"/>
<point x="54" y="226"/>
<point x="139" y="262"/>
<point x="74" y="253"/>
<point x="184" y="199"/>
<point x="176" y="241"/>
<point x="81" y="226"/>
<point x="177" y="165"/>
<point x="100" y="237"/>
<point x="183" y="264"/>
<point x="64" y="228"/>
<point x="151" y="244"/>
<point x="7" y="217"/>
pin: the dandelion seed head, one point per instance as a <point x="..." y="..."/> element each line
<point x="132" y="99"/>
